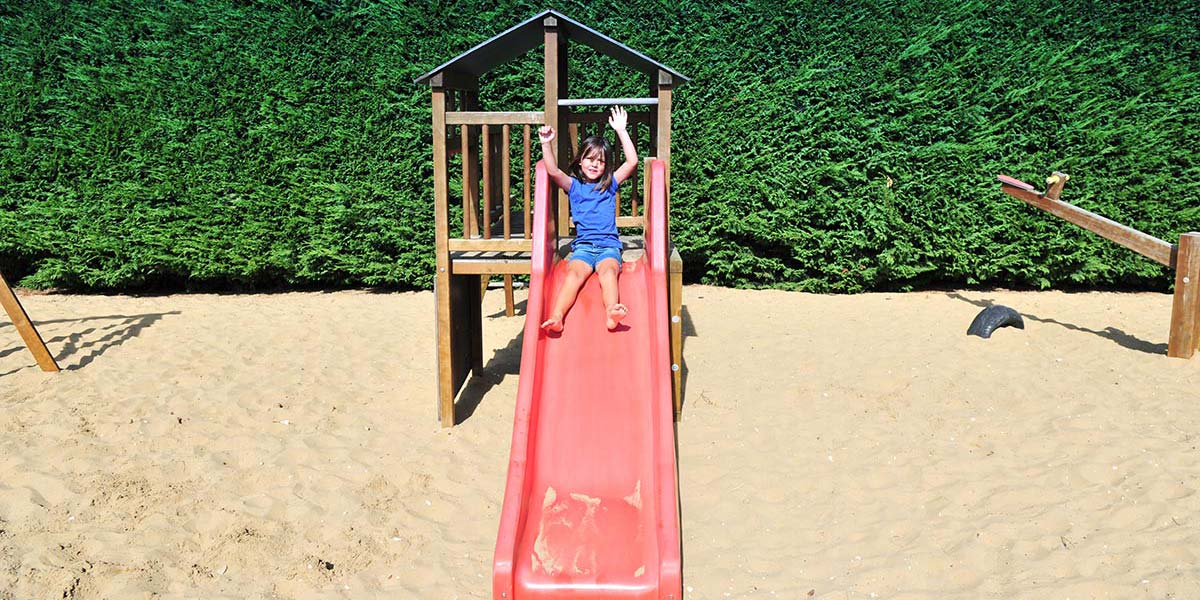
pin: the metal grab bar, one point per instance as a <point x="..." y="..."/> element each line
<point x="608" y="101"/>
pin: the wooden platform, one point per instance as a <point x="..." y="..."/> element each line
<point x="472" y="262"/>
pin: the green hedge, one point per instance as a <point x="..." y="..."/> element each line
<point x="266" y="143"/>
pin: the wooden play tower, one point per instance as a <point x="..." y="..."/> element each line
<point x="473" y="177"/>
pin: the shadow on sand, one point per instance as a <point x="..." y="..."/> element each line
<point x="82" y="347"/>
<point x="1112" y="334"/>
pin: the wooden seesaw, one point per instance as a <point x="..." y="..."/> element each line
<point x="20" y="319"/>
<point x="1183" y="257"/>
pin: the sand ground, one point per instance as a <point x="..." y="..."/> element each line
<point x="831" y="447"/>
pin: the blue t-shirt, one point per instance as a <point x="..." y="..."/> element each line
<point x="595" y="214"/>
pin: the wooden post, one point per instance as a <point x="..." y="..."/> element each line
<point x="506" y="202"/>
<point x="525" y="188"/>
<point x="447" y="376"/>
<point x="646" y="180"/>
<point x="472" y="100"/>
<point x="555" y="69"/>
<point x="550" y="67"/>
<point x="20" y="320"/>
<point x="459" y="317"/>
<point x="633" y="183"/>
<point x="675" y="301"/>
<point x="573" y="137"/>
<point x="1185" y="309"/>
<point x="652" y="138"/>
<point x="510" y="306"/>
<point x="618" y="158"/>
<point x="663" y="143"/>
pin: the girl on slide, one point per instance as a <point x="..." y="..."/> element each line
<point x="592" y="188"/>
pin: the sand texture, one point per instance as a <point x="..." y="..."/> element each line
<point x="831" y="447"/>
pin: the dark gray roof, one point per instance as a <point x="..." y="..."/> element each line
<point x="528" y="34"/>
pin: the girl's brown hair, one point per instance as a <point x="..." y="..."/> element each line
<point x="589" y="146"/>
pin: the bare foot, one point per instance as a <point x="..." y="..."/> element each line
<point x="554" y="323"/>
<point x="616" y="312"/>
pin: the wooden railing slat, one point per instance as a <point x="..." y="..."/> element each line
<point x="467" y="193"/>
<point x="633" y="180"/>
<point x="525" y="191"/>
<point x="487" y="183"/>
<point x="506" y="180"/>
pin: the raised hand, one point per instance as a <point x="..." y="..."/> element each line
<point x="545" y="134"/>
<point x="618" y="118"/>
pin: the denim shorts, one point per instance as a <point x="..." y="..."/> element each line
<point x="592" y="255"/>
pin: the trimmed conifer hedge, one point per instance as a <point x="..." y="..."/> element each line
<point x="828" y="147"/>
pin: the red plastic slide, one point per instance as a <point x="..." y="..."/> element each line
<point x="591" y="508"/>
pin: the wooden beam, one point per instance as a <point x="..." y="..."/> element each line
<point x="454" y="80"/>
<point x="663" y="143"/>
<point x="490" y="245"/>
<point x="510" y="307"/>
<point x="441" y="218"/>
<point x="675" y="309"/>
<point x="550" y="74"/>
<point x="495" y="118"/>
<point x="633" y="179"/>
<point x="564" y="204"/>
<point x="641" y="221"/>
<point x="555" y="73"/>
<point x="1185" y="309"/>
<point x="652" y="139"/>
<point x="491" y="266"/>
<point x="1142" y="243"/>
<point x="29" y="333"/>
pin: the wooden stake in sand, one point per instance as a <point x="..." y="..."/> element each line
<point x="20" y="319"/>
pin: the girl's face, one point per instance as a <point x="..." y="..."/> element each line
<point x="592" y="165"/>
